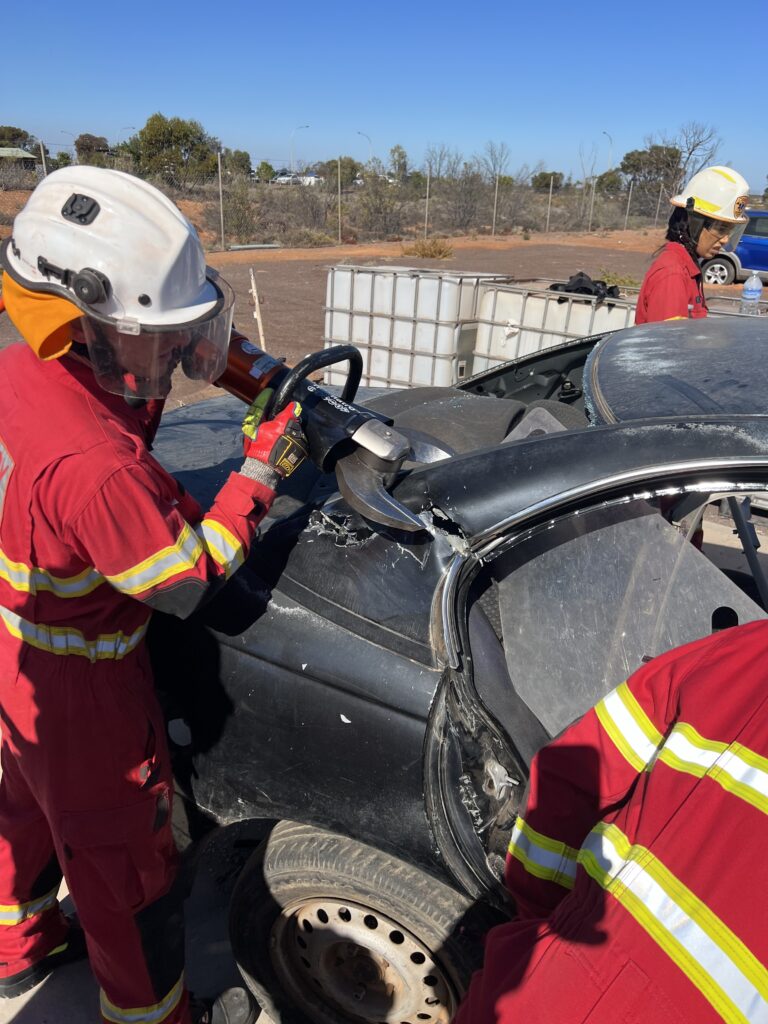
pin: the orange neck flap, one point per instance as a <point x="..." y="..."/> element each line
<point x="42" y="319"/>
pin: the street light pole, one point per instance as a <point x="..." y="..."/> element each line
<point x="610" y="150"/>
<point x="370" y="147"/>
<point x="298" y="126"/>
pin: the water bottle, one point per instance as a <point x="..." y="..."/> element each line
<point x="750" y="296"/>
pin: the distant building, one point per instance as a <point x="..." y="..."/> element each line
<point x="13" y="156"/>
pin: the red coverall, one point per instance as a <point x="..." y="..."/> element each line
<point x="639" y="868"/>
<point x="672" y="288"/>
<point x="93" y="534"/>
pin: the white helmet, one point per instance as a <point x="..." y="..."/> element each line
<point x="719" y="193"/>
<point x="128" y="259"/>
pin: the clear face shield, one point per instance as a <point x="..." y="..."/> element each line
<point x="138" y="361"/>
<point x="716" y="229"/>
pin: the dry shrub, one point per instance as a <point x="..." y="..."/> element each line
<point x="304" y="238"/>
<point x="429" y="249"/>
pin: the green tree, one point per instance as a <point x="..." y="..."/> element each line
<point x="92" y="149"/>
<point x="62" y="159"/>
<point x="328" y="169"/>
<point x="540" y="181"/>
<point x="236" y="161"/>
<point x="17" y="138"/>
<point x="648" y="168"/>
<point x="398" y="160"/>
<point x="174" y="149"/>
<point x="610" y="181"/>
<point x="265" y="171"/>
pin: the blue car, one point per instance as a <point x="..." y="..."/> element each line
<point x="750" y="254"/>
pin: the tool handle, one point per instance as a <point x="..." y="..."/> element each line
<point x="316" y="361"/>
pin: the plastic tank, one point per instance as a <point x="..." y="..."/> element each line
<point x="413" y="327"/>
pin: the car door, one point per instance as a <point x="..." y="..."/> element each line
<point x="753" y="248"/>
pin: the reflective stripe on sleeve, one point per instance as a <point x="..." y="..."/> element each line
<point x="736" y="768"/>
<point x="542" y="856"/>
<point x="143" y="1014"/>
<point x="629" y="727"/>
<point x="222" y="545"/>
<point x="160" y="567"/>
<point x="700" y="944"/>
<point x="67" y="640"/>
<point x="31" y="580"/>
<point x="15" y="913"/>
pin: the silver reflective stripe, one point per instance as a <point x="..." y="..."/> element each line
<point x="163" y="565"/>
<point x="223" y="547"/>
<point x="630" y="728"/>
<point x="16" y="913"/>
<point x="67" y="640"/>
<point x="33" y="580"/>
<point x="142" y="1014"/>
<point x="735" y="767"/>
<point x="701" y="945"/>
<point x="543" y="857"/>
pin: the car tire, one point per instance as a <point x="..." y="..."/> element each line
<point x="718" y="271"/>
<point x="327" y="930"/>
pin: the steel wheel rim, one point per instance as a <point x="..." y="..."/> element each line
<point x="345" y="961"/>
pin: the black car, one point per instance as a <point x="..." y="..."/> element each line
<point x="378" y="693"/>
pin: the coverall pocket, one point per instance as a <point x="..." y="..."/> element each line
<point x="632" y="998"/>
<point x="119" y="859"/>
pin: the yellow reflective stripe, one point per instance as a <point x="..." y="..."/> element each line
<point x="32" y="580"/>
<point x="698" y="942"/>
<point x="633" y="733"/>
<point x="67" y="640"/>
<point x="142" y="1014"/>
<point x="736" y="768"/>
<point x="15" y="913"/>
<point x="168" y="562"/>
<point x="668" y="318"/>
<point x="703" y="206"/>
<point x="222" y="545"/>
<point x="543" y="856"/>
<point x="724" y="174"/>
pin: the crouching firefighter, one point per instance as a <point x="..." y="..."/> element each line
<point x="106" y="282"/>
<point x="638" y="866"/>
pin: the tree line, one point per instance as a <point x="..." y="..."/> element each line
<point x="179" y="151"/>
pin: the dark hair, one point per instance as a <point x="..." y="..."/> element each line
<point x="678" y="230"/>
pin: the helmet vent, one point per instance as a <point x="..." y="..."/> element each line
<point x="80" y="209"/>
<point x="144" y="300"/>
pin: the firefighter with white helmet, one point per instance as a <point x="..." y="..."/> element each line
<point x="106" y="282"/>
<point x="708" y="214"/>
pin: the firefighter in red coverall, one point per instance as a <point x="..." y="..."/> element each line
<point x="708" y="214"/>
<point x="638" y="867"/>
<point x="106" y="281"/>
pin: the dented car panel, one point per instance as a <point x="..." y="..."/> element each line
<point x="394" y="686"/>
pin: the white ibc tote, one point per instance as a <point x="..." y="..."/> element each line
<point x="521" y="319"/>
<point x="413" y="327"/>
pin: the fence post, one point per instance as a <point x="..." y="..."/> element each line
<point x="42" y="157"/>
<point x="426" y="205"/>
<point x="495" y="205"/>
<point x="221" y="200"/>
<point x="549" y="201"/>
<point x="592" y="205"/>
<point x="338" y="164"/>
<point x="629" y="200"/>
<point x="658" y="204"/>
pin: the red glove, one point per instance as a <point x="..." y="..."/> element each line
<point x="279" y="443"/>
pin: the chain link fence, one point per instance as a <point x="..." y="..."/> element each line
<point x="238" y="211"/>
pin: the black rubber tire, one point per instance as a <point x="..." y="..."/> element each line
<point x="298" y="864"/>
<point x="726" y="277"/>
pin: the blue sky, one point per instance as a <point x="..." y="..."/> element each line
<point x="549" y="80"/>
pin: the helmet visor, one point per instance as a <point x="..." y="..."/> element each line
<point x="138" y="361"/>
